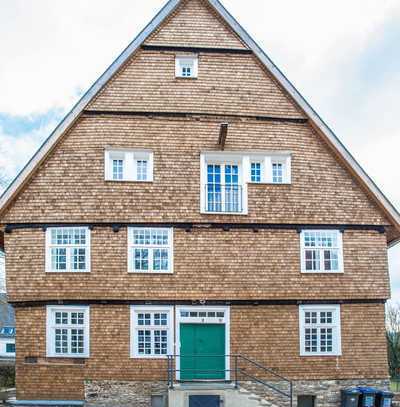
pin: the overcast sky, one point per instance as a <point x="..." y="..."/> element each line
<point x="342" y="55"/>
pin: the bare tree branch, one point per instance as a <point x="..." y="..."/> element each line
<point x="393" y="338"/>
<point x="3" y="181"/>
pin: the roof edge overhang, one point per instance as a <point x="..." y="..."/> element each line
<point x="71" y="117"/>
<point x="316" y="121"/>
<point x="323" y="129"/>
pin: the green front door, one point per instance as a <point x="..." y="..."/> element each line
<point x="202" y="352"/>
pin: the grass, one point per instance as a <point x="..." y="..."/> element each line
<point x="395" y="385"/>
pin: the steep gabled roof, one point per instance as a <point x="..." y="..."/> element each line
<point x="319" y="125"/>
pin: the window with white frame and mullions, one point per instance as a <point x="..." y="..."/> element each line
<point x="278" y="174"/>
<point x="320" y="330"/>
<point x="224" y="194"/>
<point x="117" y="169"/>
<point x="67" y="331"/>
<point x="68" y="249"/>
<point x="321" y="251"/>
<point x="256" y="172"/>
<point x="186" y="67"/>
<point x="141" y="170"/>
<point x="150" y="250"/>
<point x="151" y="332"/>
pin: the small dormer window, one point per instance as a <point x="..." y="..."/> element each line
<point x="186" y="67"/>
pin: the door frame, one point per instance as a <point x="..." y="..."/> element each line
<point x="202" y="320"/>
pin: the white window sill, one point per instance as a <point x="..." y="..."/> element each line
<point x="269" y="183"/>
<point x="160" y="357"/>
<point x="129" y="180"/>
<point x="150" y="272"/>
<point x="60" y="356"/>
<point x="322" y="272"/>
<point x="186" y="77"/>
<point x="67" y="272"/>
<point x="224" y="213"/>
<point x="320" y="355"/>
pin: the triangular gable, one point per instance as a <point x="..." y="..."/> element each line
<point x="320" y="126"/>
<point x="208" y="29"/>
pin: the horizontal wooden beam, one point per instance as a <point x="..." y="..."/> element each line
<point x="185" y="115"/>
<point x="197" y="50"/>
<point x="188" y="226"/>
<point x="232" y="302"/>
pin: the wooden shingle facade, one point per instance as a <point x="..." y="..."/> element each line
<point x="134" y="226"/>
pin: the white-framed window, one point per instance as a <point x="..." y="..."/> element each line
<point x="150" y="250"/>
<point x="151" y="331"/>
<point x="321" y="251"/>
<point x="320" y="330"/>
<point x="68" y="249"/>
<point x="270" y="168"/>
<point x="128" y="165"/>
<point x="10" y="347"/>
<point x="224" y="178"/>
<point x="186" y="66"/>
<point x="118" y="164"/>
<point x="203" y="315"/>
<point x="142" y="169"/>
<point x="256" y="169"/>
<point x="277" y="172"/>
<point x="280" y="170"/>
<point x="223" y="189"/>
<point x="67" y="331"/>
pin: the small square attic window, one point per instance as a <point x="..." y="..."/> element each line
<point x="186" y="66"/>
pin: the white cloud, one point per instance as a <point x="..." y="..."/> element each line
<point x="56" y="49"/>
<point x="17" y="149"/>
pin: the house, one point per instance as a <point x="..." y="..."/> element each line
<point x="193" y="229"/>
<point x="2" y="271"/>
<point x="7" y="320"/>
<point x="7" y="342"/>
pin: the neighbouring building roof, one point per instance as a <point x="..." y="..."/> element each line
<point x="318" y="124"/>
<point x="7" y="332"/>
<point x="7" y="316"/>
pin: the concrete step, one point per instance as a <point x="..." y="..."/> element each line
<point x="232" y="397"/>
<point x="204" y="386"/>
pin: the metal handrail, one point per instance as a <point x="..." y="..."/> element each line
<point x="267" y="369"/>
<point x="223" y="198"/>
<point x="256" y="379"/>
<point x="237" y="370"/>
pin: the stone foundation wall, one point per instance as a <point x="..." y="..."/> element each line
<point x="138" y="394"/>
<point x="122" y="394"/>
<point x="327" y="392"/>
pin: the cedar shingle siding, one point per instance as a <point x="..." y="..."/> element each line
<point x="268" y="334"/>
<point x="195" y="24"/>
<point x="70" y="185"/>
<point x="209" y="264"/>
